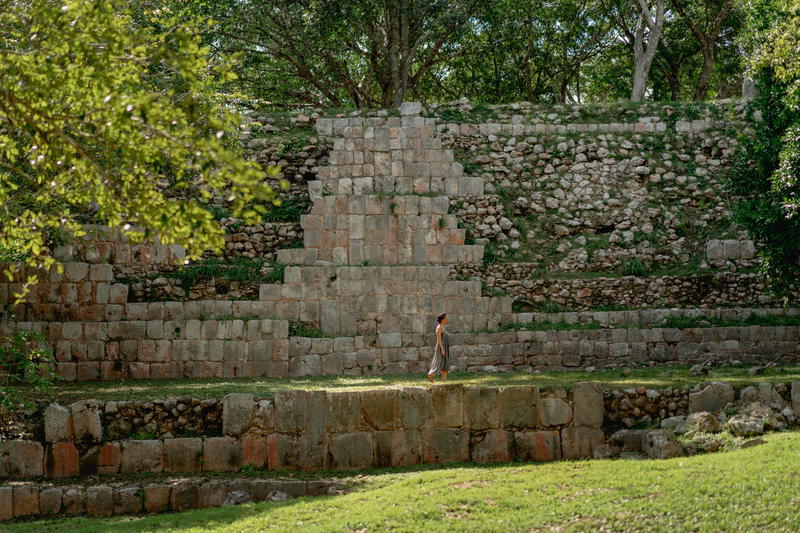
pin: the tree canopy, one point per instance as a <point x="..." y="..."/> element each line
<point x="105" y="119"/>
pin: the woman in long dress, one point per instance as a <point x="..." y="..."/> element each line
<point x="441" y="356"/>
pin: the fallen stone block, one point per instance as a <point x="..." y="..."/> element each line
<point x="745" y="426"/>
<point x="711" y="397"/>
<point x="661" y="444"/>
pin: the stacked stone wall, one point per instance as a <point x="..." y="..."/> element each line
<point x="344" y="430"/>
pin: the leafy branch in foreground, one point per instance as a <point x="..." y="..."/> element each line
<point x="104" y="117"/>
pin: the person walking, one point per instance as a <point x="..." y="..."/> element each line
<point x="441" y="356"/>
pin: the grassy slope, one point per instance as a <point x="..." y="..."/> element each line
<point x="755" y="489"/>
<point x="657" y="377"/>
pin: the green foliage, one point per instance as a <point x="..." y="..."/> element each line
<point x="632" y="267"/>
<point x="754" y="319"/>
<point x="546" y="325"/>
<point x="26" y="369"/>
<point x="276" y="274"/>
<point x="288" y="210"/>
<point x="241" y="271"/>
<point x="101" y="115"/>
<point x="298" y="329"/>
<point x="766" y="190"/>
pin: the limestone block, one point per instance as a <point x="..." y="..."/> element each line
<point x="26" y="500"/>
<point x="493" y="446"/>
<point x="410" y="109"/>
<point x="312" y="442"/>
<point x="579" y="443"/>
<point x="99" y="500"/>
<point x="75" y="272"/>
<point x="127" y="500"/>
<point x="237" y="413"/>
<point x="796" y="398"/>
<point x="554" y="412"/>
<point x="350" y="451"/>
<point x="62" y="460"/>
<point x="86" y="422"/>
<point x="282" y="452"/>
<point x="588" y="404"/>
<point x="448" y="405"/>
<point x="344" y="412"/>
<point x="397" y="448"/>
<point x="139" y="456"/>
<point x="380" y="409"/>
<point x="222" y="454"/>
<point x="50" y="501"/>
<point x="480" y="407"/>
<point x="73" y="500"/>
<point x="104" y="459"/>
<point x="290" y="411"/>
<point x="517" y="407"/>
<point x="185" y="495"/>
<point x="254" y="451"/>
<point x="6" y="503"/>
<point x="661" y="444"/>
<point x="445" y="445"/>
<point x="156" y="497"/>
<point x="183" y="455"/>
<point x="212" y="494"/>
<point x="711" y="397"/>
<point x="628" y="440"/>
<point x="415" y="407"/>
<point x="21" y="458"/>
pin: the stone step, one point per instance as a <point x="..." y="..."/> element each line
<point x="456" y="186"/>
<point x="120" y="496"/>
<point x="652" y="317"/>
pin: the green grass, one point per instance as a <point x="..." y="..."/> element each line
<point x="240" y="270"/>
<point x="657" y="377"/>
<point x="754" y="489"/>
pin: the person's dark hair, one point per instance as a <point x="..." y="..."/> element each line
<point x="440" y="318"/>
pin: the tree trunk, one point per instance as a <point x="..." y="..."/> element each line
<point x="643" y="59"/>
<point x="701" y="88"/>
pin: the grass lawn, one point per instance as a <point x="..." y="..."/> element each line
<point x="755" y="489"/>
<point x="654" y="377"/>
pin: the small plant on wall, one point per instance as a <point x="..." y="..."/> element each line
<point x="26" y="369"/>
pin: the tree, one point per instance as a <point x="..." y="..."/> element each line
<point x="706" y="23"/>
<point x="363" y="52"/>
<point x="102" y="119"/>
<point x="766" y="177"/>
<point x="649" y="28"/>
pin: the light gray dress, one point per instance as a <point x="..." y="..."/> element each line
<point x="441" y="363"/>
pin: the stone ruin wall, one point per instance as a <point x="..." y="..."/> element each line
<point x="570" y="190"/>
